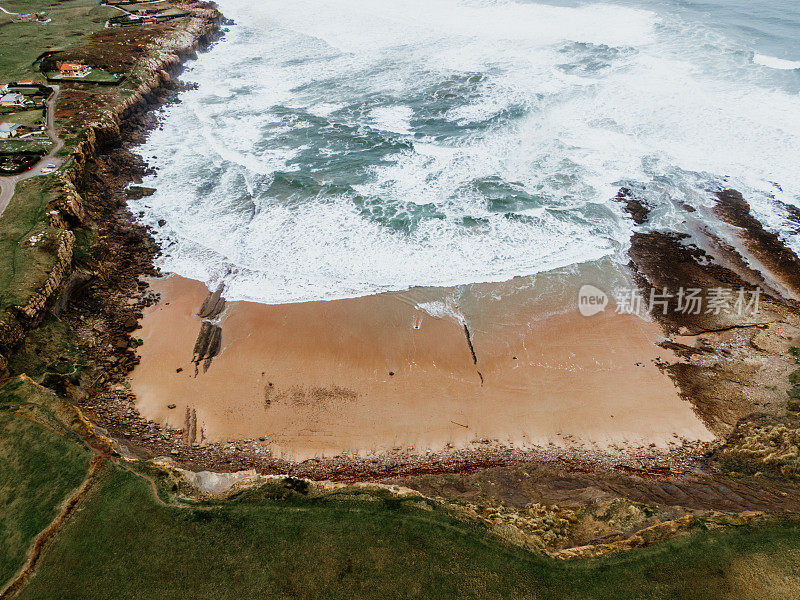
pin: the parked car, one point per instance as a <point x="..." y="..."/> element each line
<point x="49" y="168"/>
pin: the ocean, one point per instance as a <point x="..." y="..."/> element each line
<point x="342" y="148"/>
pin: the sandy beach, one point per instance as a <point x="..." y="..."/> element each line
<point x="377" y="373"/>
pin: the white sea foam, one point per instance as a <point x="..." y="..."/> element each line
<point x="443" y="309"/>
<point x="396" y="119"/>
<point x="776" y="63"/>
<point x="383" y="145"/>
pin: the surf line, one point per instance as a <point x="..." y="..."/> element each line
<point x="472" y="351"/>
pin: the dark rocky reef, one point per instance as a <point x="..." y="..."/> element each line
<point x="636" y="207"/>
<point x="765" y="246"/>
<point x="732" y="366"/>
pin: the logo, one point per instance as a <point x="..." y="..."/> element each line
<point x="591" y="300"/>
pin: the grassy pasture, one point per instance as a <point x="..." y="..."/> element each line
<point x="23" y="43"/>
<point x="24" y="266"/>
<point x="40" y="467"/>
<point x="26" y="118"/>
<point x="124" y="544"/>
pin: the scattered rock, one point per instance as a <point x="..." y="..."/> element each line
<point x="136" y="192"/>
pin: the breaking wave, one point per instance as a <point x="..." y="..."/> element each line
<point x="382" y="145"/>
<point x="776" y="63"/>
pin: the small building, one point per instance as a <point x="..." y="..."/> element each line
<point x="29" y="81"/>
<point x="26" y="17"/>
<point x="151" y="20"/>
<point x="143" y="12"/>
<point x="74" y="70"/>
<point x="12" y="99"/>
<point x="8" y="130"/>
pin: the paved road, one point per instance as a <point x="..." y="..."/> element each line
<point x="9" y="183"/>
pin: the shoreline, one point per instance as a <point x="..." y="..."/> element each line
<point x="116" y="306"/>
<point x="118" y="410"/>
<point x="80" y="204"/>
<point x="378" y="374"/>
<point x="722" y="410"/>
<point x="478" y="433"/>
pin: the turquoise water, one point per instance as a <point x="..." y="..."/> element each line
<point x="770" y="27"/>
<point x="765" y="26"/>
<point x="342" y="148"/>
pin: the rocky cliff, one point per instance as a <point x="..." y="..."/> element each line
<point x="67" y="210"/>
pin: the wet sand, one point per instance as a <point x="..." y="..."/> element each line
<point x="378" y="373"/>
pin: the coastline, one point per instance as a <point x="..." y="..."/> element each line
<point x="106" y="311"/>
<point x="433" y="441"/>
<point x="721" y="392"/>
<point x="81" y="202"/>
<point x="379" y="374"/>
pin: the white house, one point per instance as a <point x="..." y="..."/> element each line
<point x="12" y="99"/>
<point x="9" y="130"/>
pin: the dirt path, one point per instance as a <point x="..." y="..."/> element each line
<point x="9" y="183"/>
<point x="16" y="584"/>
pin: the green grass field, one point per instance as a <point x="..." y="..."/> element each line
<point x="24" y="267"/>
<point x="27" y="118"/>
<point x="23" y="43"/>
<point x="40" y="467"/>
<point x="47" y="354"/>
<point x="125" y="545"/>
<point x="25" y="145"/>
